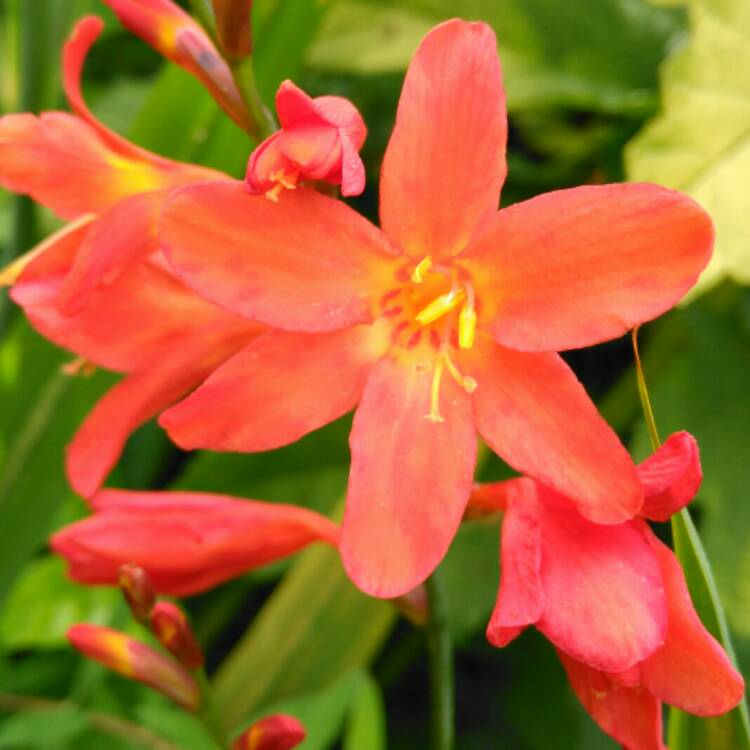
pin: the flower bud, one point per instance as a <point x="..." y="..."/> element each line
<point x="172" y="630"/>
<point x="137" y="589"/>
<point x="319" y="139"/>
<point x="174" y="34"/>
<point x="278" y="732"/>
<point x="233" y="28"/>
<point x="135" y="660"/>
<point x="413" y="605"/>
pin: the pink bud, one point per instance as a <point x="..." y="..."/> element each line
<point x="135" y="660"/>
<point x="174" y="34"/>
<point x="278" y="732"/>
<point x="319" y="139"/>
<point x="138" y="590"/>
<point x="171" y="628"/>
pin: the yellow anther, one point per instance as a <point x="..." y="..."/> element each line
<point x="423" y="266"/>
<point x="78" y="367"/>
<point x="283" y="180"/>
<point x="467" y="326"/>
<point x="434" y="415"/>
<point x="440" y="306"/>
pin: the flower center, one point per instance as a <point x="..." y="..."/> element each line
<point x="431" y="311"/>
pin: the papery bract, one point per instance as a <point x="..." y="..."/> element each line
<point x="136" y="661"/>
<point x="320" y="139"/>
<point x="100" y="286"/>
<point x="441" y="325"/>
<point x="187" y="542"/>
<point x="173" y="33"/>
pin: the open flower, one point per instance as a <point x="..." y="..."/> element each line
<point x="100" y="286"/>
<point x="612" y="599"/>
<point x="319" y="139"/>
<point x="186" y="542"/>
<point x="442" y="325"/>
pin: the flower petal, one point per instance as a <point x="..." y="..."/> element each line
<point x="410" y="479"/>
<point x="670" y="477"/>
<point x="691" y="670"/>
<point x="604" y="598"/>
<point x="533" y="413"/>
<point x="123" y="326"/>
<point x="308" y="263"/>
<point x="98" y="444"/>
<point x="445" y="162"/>
<point x="576" y="267"/>
<point x="124" y="233"/>
<point x="630" y="715"/>
<point x="274" y="391"/>
<point x="520" y="599"/>
<point x="187" y="542"/>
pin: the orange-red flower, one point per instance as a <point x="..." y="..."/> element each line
<point x="173" y="33"/>
<point x="612" y="599"/>
<point x="277" y="732"/>
<point x="319" y="139"/>
<point x="100" y="286"/>
<point x="187" y="542"/>
<point x="443" y="324"/>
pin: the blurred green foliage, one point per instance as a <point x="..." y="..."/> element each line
<point x="582" y="79"/>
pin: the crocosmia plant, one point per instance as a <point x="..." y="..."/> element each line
<point x="270" y="227"/>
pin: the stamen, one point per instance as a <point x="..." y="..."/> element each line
<point x="440" y="306"/>
<point x="466" y="382"/>
<point x="78" y="367"/>
<point x="284" y="180"/>
<point x="434" y="415"/>
<point x="423" y="266"/>
<point x="467" y="326"/>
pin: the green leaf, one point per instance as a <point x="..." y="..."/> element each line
<point x="41" y="410"/>
<point x="44" y="603"/>
<point x="554" y="54"/>
<point x="700" y="143"/>
<point x="315" y="626"/>
<point x="53" y="729"/>
<point x="365" y="729"/>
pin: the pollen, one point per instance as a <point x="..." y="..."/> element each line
<point x="467" y="326"/>
<point x="441" y="306"/>
<point x="284" y="181"/>
<point x="422" y="268"/>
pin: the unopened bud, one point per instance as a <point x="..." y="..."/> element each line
<point x="137" y="589"/>
<point x="136" y="661"/>
<point x="172" y="630"/>
<point x="233" y="28"/>
<point x="178" y="37"/>
<point x="413" y="605"/>
<point x="278" y="732"/>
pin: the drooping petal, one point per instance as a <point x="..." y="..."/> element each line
<point x="410" y="478"/>
<point x="124" y="233"/>
<point x="576" y="267"/>
<point x="187" y="542"/>
<point x="630" y="715"/>
<point x="276" y="390"/>
<point x="670" y="477"/>
<point x="691" y="670"/>
<point x="520" y="599"/>
<point x="445" y="162"/>
<point x="307" y="263"/>
<point x="98" y="444"/>
<point x="122" y="326"/>
<point x="42" y="156"/>
<point x="604" y="601"/>
<point x="533" y="412"/>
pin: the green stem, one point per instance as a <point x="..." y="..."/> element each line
<point x="440" y="651"/>
<point x="648" y="411"/>
<point x="244" y="77"/>
<point x="106" y="723"/>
